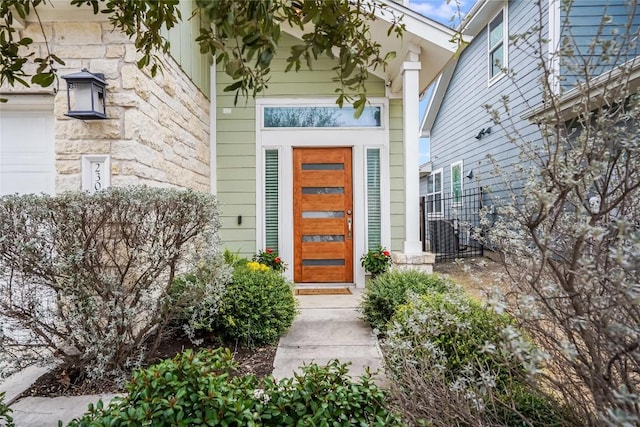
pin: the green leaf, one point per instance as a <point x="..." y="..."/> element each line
<point x="44" y="80"/>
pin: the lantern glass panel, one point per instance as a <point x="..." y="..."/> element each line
<point x="80" y="97"/>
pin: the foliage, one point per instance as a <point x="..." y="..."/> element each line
<point x="201" y="389"/>
<point x="5" y="413"/>
<point x="569" y="236"/>
<point x="257" y="307"/>
<point x="234" y="259"/>
<point x="13" y="52"/>
<point x="455" y="354"/>
<point x="87" y="277"/>
<point x="326" y="395"/>
<point x="189" y="390"/>
<point x="207" y="280"/>
<point x="376" y="261"/>
<point x="271" y="259"/>
<point x="384" y="294"/>
<point x="243" y="35"/>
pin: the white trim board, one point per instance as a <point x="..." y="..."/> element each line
<point x="359" y="139"/>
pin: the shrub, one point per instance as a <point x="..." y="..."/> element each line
<point x="88" y="276"/>
<point x="450" y="351"/>
<point x="257" y="307"/>
<point x="191" y="389"/>
<point x="208" y="280"/>
<point x="201" y="390"/>
<point x="5" y="413"/>
<point x="326" y="395"/>
<point x="384" y="294"/>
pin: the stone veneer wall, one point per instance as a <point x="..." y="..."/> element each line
<point x="157" y="131"/>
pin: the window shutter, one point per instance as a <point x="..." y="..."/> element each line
<point x="374" y="231"/>
<point x="271" y="195"/>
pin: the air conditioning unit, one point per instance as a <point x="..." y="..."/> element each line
<point x="443" y="236"/>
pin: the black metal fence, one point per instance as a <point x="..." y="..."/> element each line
<point x="449" y="224"/>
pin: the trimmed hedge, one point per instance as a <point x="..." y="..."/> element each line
<point x="257" y="307"/>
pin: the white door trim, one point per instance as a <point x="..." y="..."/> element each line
<point x="285" y="139"/>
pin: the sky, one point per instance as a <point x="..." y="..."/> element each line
<point x="440" y="11"/>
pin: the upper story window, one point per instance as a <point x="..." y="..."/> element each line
<point x="497" y="54"/>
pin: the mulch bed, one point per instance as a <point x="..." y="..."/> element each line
<point x="63" y="381"/>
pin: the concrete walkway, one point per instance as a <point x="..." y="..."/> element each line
<point x="327" y="327"/>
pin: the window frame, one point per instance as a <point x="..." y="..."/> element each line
<point x="277" y="150"/>
<point x="432" y="214"/>
<point x="457" y="201"/>
<point x="491" y="79"/>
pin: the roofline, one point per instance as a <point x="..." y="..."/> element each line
<point x="400" y="8"/>
<point x="441" y="36"/>
<point x="597" y="93"/>
<point x="475" y="21"/>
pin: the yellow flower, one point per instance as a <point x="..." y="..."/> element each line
<point x="256" y="266"/>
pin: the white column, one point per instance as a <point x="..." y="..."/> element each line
<point x="410" y="108"/>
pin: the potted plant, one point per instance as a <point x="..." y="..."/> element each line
<point x="376" y="261"/>
<point x="271" y="259"/>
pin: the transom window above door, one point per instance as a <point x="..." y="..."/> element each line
<point x="329" y="116"/>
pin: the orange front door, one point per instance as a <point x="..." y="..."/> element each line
<point x="323" y="215"/>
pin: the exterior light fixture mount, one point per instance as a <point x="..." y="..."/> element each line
<point x="483" y="132"/>
<point x="86" y="95"/>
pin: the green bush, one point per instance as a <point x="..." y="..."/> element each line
<point x="384" y="294"/>
<point x="257" y="307"/>
<point x="326" y="395"/>
<point x="88" y="276"/>
<point x="464" y="353"/>
<point x="5" y="413"/>
<point x="201" y="390"/>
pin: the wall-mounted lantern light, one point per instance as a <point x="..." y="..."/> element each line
<point x="86" y="95"/>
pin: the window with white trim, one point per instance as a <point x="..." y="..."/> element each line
<point x="271" y="199"/>
<point x="434" y="194"/>
<point x="456" y="183"/>
<point x="497" y="46"/>
<point x="374" y="203"/>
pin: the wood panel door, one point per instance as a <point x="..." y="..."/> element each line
<point x="323" y="215"/>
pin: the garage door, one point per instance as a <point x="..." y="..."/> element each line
<point x="27" y="152"/>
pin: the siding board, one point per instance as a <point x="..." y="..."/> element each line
<point x="236" y="138"/>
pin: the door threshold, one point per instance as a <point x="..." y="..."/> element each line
<point x="324" y="285"/>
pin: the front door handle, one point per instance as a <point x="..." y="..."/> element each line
<point x="349" y="228"/>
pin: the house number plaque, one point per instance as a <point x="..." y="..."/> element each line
<point x="96" y="172"/>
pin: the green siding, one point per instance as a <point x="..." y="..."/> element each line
<point x="186" y="51"/>
<point x="236" y="139"/>
<point x="396" y="173"/>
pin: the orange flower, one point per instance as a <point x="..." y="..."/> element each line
<point x="385" y="253"/>
<point x="269" y="250"/>
<point x="277" y="260"/>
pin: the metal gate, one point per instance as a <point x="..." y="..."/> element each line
<point x="450" y="224"/>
